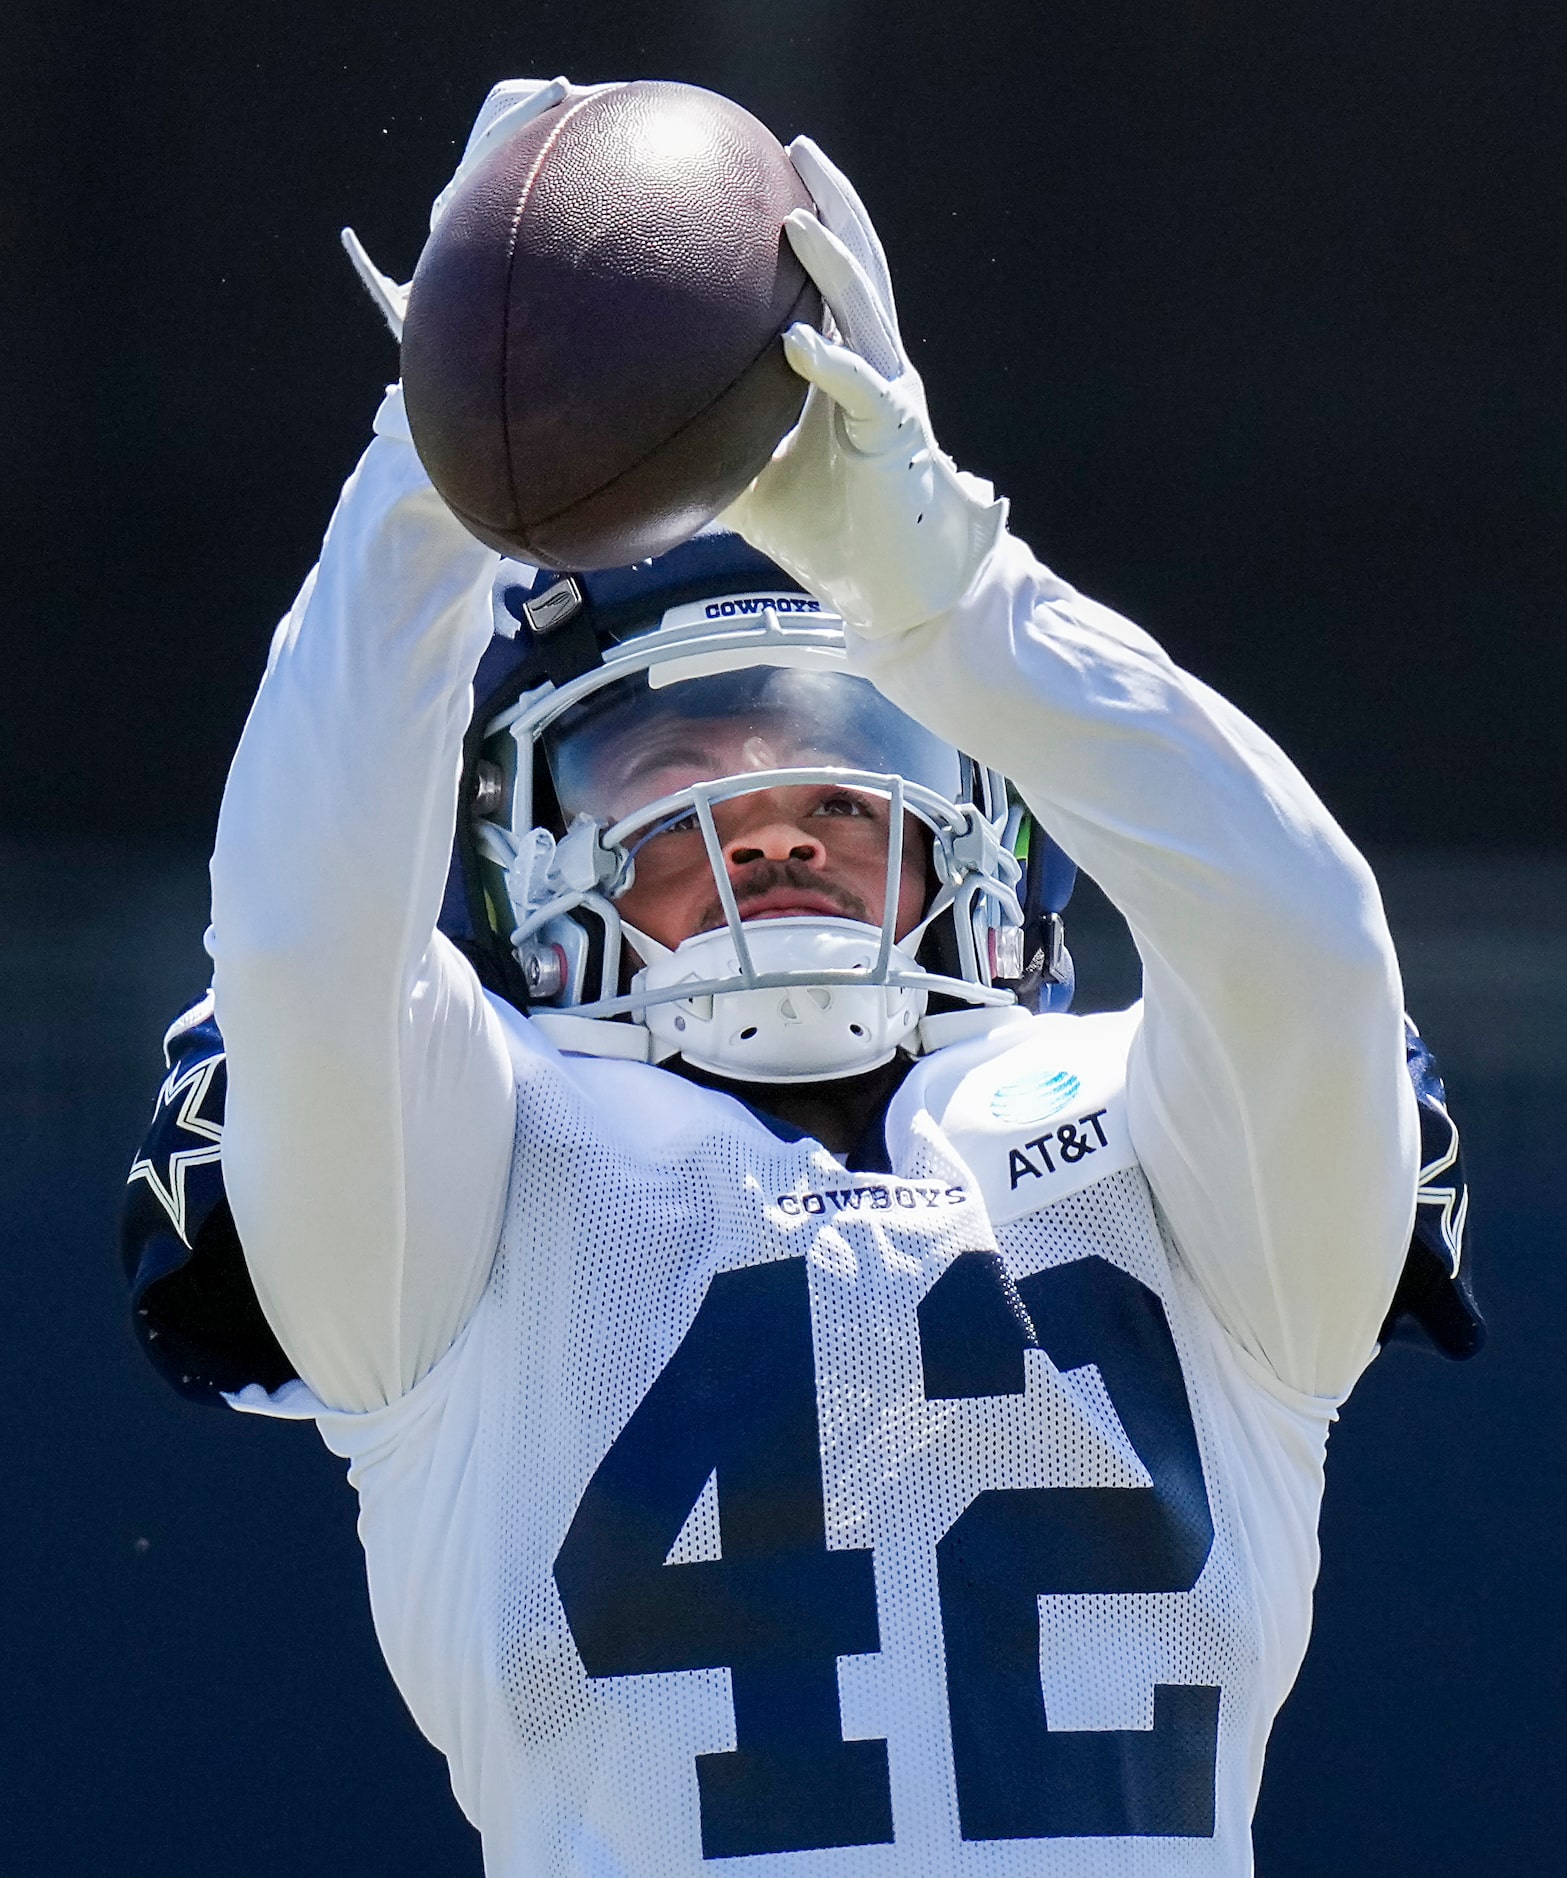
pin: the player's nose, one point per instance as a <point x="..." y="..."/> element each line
<point x="778" y="839"/>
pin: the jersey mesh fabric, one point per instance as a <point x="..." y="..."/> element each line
<point x="1101" y="1655"/>
<point x="630" y="1191"/>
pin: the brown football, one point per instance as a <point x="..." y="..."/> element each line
<point x="592" y="359"/>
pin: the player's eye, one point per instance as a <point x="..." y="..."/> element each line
<point x="842" y="803"/>
<point x="686" y="824"/>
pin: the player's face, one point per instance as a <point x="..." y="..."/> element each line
<point x="807" y="848"/>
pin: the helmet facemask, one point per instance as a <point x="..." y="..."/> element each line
<point x="678" y="733"/>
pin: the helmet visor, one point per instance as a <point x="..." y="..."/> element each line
<point x="631" y="744"/>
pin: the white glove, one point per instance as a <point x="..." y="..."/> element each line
<point x="511" y="104"/>
<point x="858" y="502"/>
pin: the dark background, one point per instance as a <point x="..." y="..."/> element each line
<point x="1254" y="311"/>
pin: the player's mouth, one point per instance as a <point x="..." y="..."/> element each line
<point x="788" y="902"/>
<point x="773" y="890"/>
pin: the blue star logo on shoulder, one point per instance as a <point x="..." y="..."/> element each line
<point x="186" y="1132"/>
<point x="194" y="1309"/>
<point x="1435" y="1301"/>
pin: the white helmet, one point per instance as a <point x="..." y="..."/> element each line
<point x="619" y="708"/>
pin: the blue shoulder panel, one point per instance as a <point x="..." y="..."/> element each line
<point x="194" y="1308"/>
<point x="1435" y="1302"/>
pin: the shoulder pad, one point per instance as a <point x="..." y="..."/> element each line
<point x="1435" y="1302"/>
<point x="1037" y="1109"/>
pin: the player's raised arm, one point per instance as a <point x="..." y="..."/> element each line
<point x="1269" y="1101"/>
<point x="369" y="1120"/>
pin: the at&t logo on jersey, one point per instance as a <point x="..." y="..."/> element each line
<point x="1034" y="1098"/>
<point x="1056" y="1148"/>
<point x="1038" y="1125"/>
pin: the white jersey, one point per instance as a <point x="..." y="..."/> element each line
<point x="916" y="1523"/>
<point x="721" y="1503"/>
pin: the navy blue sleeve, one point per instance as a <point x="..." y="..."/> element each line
<point x="1435" y="1303"/>
<point x="193" y="1306"/>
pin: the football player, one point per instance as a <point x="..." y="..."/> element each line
<point x="813" y="1399"/>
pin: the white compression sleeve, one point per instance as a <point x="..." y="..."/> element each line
<point x="1268" y="1097"/>
<point x="370" y="1108"/>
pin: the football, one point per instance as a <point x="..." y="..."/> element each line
<point x="592" y="359"/>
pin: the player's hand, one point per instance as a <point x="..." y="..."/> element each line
<point x="511" y="104"/>
<point x="859" y="502"/>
